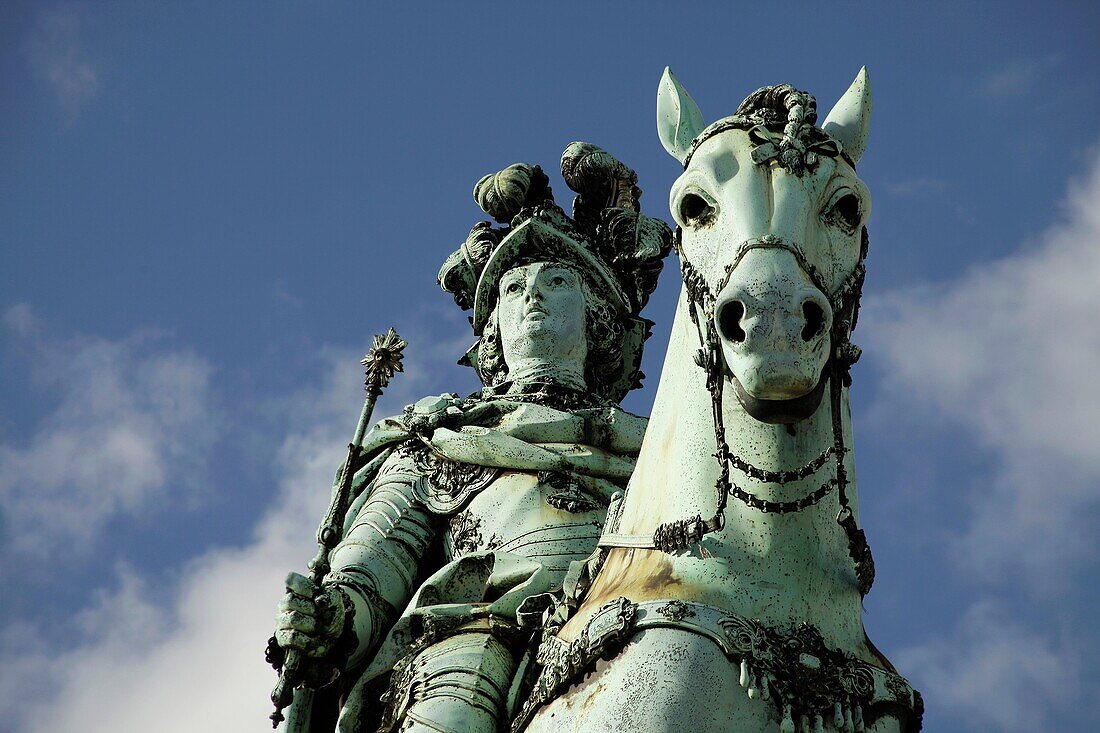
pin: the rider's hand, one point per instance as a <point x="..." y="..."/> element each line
<point x="310" y="620"/>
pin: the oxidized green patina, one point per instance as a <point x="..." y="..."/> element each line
<point x="478" y="584"/>
<point x="727" y="593"/>
<point x="464" y="508"/>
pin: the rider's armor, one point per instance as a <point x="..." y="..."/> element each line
<point x="466" y="512"/>
<point x="453" y="657"/>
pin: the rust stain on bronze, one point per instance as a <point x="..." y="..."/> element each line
<point x="662" y="579"/>
<point x="636" y="574"/>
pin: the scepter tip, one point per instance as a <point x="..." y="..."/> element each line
<point x="384" y="359"/>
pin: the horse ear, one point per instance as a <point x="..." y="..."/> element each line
<point x="850" y="120"/>
<point x="678" y="117"/>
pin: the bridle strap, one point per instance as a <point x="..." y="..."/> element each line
<point x="680" y="534"/>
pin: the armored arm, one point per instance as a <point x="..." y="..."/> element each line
<point x="372" y="576"/>
<point x="375" y="566"/>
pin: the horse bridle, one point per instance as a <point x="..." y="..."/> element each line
<point x="680" y="534"/>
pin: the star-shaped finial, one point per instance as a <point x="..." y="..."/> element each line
<point x="384" y="359"/>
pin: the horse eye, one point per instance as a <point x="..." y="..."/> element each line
<point x="512" y="288"/>
<point x="695" y="210"/>
<point x="845" y="212"/>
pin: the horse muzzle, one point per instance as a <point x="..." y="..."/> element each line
<point x="773" y="324"/>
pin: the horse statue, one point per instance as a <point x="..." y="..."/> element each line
<point x="726" y="594"/>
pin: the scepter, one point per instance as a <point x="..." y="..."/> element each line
<point x="381" y="362"/>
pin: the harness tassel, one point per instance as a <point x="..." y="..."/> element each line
<point x="787" y="726"/>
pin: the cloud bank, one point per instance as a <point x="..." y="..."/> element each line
<point x="127" y="415"/>
<point x="992" y="670"/>
<point x="196" y="661"/>
<point x="1016" y="78"/>
<point x="58" y="58"/>
<point x="1006" y="351"/>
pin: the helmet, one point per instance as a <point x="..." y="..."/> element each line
<point x="619" y="251"/>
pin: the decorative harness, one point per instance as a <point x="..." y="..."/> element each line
<point x="797" y="150"/>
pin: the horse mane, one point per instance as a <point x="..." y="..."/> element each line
<point x="773" y="106"/>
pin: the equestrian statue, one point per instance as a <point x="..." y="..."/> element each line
<point x="490" y="572"/>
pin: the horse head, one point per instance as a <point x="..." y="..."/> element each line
<point x="772" y="221"/>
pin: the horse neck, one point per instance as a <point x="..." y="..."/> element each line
<point x="676" y="471"/>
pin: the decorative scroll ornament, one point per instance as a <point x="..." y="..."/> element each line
<point x="445" y="485"/>
<point x="676" y="610"/>
<point x="465" y="534"/>
<point x="804" y="678"/>
<point x="566" y="493"/>
<point x="808" y="682"/>
<point x="561" y="662"/>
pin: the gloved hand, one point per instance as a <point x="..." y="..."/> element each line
<point x="310" y="620"/>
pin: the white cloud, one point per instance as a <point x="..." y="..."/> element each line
<point x="20" y="318"/>
<point x="58" y="58"/>
<point x="993" y="673"/>
<point x="915" y="186"/>
<point x="129" y="422"/>
<point x="196" y="662"/>
<point x="1008" y="350"/>
<point x="1016" y="78"/>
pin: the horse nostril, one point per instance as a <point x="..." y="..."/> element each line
<point x="815" y="319"/>
<point x="729" y="320"/>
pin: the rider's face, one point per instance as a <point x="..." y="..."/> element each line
<point x="541" y="312"/>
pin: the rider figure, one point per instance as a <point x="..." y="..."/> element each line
<point x="469" y="507"/>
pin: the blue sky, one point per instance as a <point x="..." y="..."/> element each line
<point x="207" y="209"/>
